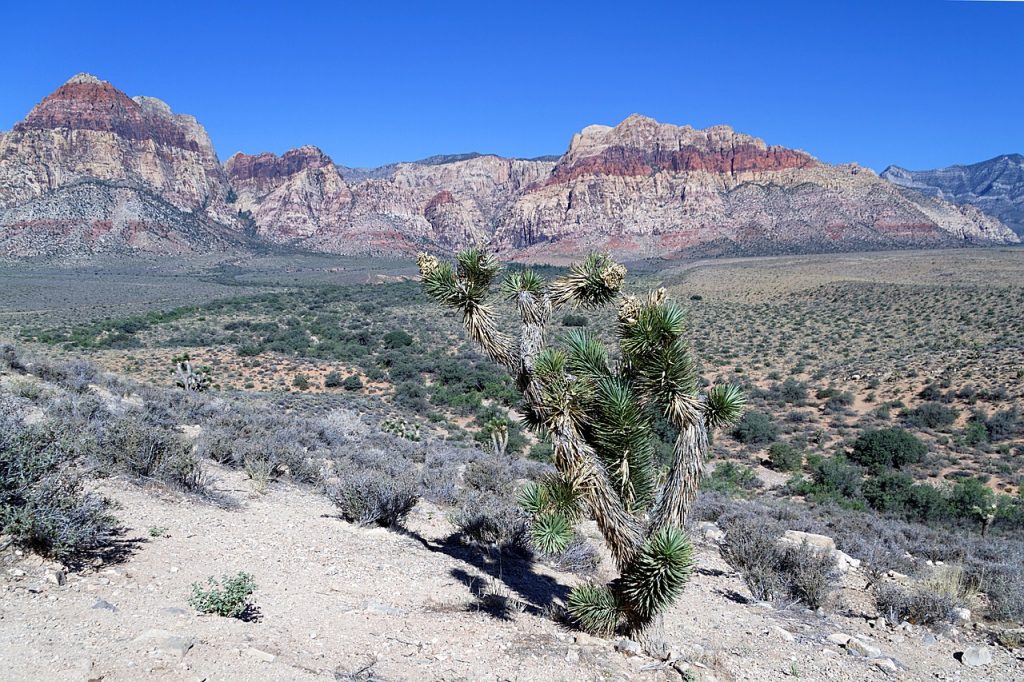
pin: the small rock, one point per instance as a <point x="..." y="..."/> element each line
<point x="976" y="656"/>
<point x="165" y="642"/>
<point x="820" y="542"/>
<point x="858" y="647"/>
<point x="261" y="655"/>
<point x="962" y="616"/>
<point x="104" y="604"/>
<point x="17" y="573"/>
<point x="929" y="638"/>
<point x="572" y="656"/>
<point x="839" y="638"/>
<point x="628" y="647"/>
<point x="782" y="634"/>
<point x="710" y="531"/>
<point x="844" y="562"/>
<point x="173" y="611"/>
<point x="381" y="608"/>
<point x="887" y="665"/>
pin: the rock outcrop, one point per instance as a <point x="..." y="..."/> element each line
<point x="995" y="186"/>
<point x="89" y="140"/>
<point x="644" y="188"/>
<point x="91" y="169"/>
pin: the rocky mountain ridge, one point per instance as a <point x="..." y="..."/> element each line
<point x="93" y="170"/>
<point x="995" y="186"/>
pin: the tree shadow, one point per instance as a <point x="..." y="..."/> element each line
<point x="528" y="591"/>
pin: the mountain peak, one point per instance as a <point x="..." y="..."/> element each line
<point x="85" y="79"/>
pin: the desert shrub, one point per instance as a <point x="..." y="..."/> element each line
<point x="229" y="597"/>
<point x="491" y="474"/>
<point x="834" y="478"/>
<point x="43" y="506"/>
<point x="492" y="522"/>
<point x="1004" y="424"/>
<point x="370" y="497"/>
<point x="808" y="574"/>
<point x="887" y="448"/>
<point x="397" y="339"/>
<point x="578" y="557"/>
<point x="78" y="374"/>
<point x="333" y="380"/>
<point x="300" y="382"/>
<point x="731" y="478"/>
<point x="352" y="383"/>
<point x="147" y="452"/>
<point x="931" y="415"/>
<point x="755" y="427"/>
<point x="751" y="547"/>
<point x="792" y="391"/>
<point x="574" y="320"/>
<point x="918" y="605"/>
<point x="785" y="457"/>
<point x="9" y="357"/>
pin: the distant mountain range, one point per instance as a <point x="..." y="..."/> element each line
<point x="91" y="170"/>
<point x="995" y="186"/>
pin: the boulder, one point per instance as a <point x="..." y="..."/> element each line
<point x="976" y="656"/>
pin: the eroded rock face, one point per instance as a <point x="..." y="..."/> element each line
<point x="995" y="187"/>
<point x="644" y="188"/>
<point x="88" y="131"/>
<point x="148" y="179"/>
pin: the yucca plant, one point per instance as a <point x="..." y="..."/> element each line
<point x="597" y="406"/>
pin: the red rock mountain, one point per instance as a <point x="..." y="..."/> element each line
<point x="90" y="169"/>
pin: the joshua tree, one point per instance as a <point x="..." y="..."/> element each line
<point x="191" y="378"/>
<point x="598" y="411"/>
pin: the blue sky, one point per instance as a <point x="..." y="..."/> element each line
<point x="919" y="83"/>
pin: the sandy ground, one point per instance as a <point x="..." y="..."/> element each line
<point x="341" y="602"/>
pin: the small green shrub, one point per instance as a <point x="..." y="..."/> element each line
<point x="230" y="597"/>
<point x="785" y="457"/>
<point x="931" y="416"/>
<point x="886" y="448"/>
<point x="352" y="383"/>
<point x="756" y="427"/>
<point x="574" y="320"/>
<point x="333" y="380"/>
<point x="919" y="605"/>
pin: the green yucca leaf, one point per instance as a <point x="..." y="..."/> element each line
<point x="549" y="363"/>
<point x="533" y="498"/>
<point x="522" y="281"/>
<point x="656" y="576"/>
<point x="594" y="608"/>
<point x="477" y="267"/>
<point x="551" y="532"/>
<point x="563" y="497"/>
<point x="622" y="438"/>
<point x="593" y="282"/>
<point x="724" y="405"/>
<point x="586" y="355"/>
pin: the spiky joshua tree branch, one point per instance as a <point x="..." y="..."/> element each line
<point x="597" y="406"/>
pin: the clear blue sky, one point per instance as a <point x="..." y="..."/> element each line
<point x="920" y="83"/>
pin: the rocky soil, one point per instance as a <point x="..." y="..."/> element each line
<point x="337" y="601"/>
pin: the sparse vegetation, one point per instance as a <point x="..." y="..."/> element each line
<point x="229" y="597"/>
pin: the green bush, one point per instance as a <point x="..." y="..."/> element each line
<point x="785" y="457"/>
<point x="931" y="416"/>
<point x="230" y="597"/>
<point x="397" y="339"/>
<point x="574" y="320"/>
<point x="887" y="448"/>
<point x="333" y="380"/>
<point x="352" y="383"/>
<point x="731" y="478"/>
<point x="756" y="427"/>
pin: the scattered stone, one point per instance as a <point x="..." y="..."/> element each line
<point x="104" y="604"/>
<point x="976" y="656"/>
<point x="782" y="634"/>
<point x="887" y="665"/>
<point x="839" y="638"/>
<point x="261" y="655"/>
<point x="821" y="542"/>
<point x="962" y="616"/>
<point x="929" y="638"/>
<point x="173" y="611"/>
<point x="628" y="647"/>
<point x="166" y="642"/>
<point x="710" y="531"/>
<point x="381" y="608"/>
<point x="858" y="647"/>
<point x="844" y="562"/>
